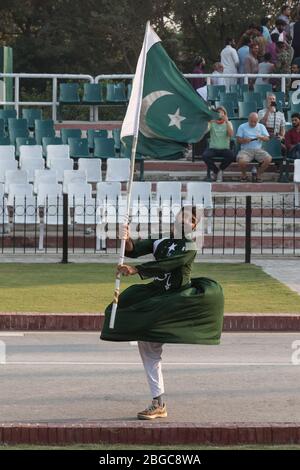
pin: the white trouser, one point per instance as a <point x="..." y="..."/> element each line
<point x="151" y="357"/>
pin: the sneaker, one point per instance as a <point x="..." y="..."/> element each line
<point x="220" y="176"/>
<point x="153" y="411"/>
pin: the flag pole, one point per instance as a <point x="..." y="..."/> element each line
<point x="132" y="162"/>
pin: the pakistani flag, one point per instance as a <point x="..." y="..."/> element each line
<point x="165" y="113"/>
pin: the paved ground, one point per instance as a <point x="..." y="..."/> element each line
<point x="286" y="271"/>
<point x="66" y="377"/>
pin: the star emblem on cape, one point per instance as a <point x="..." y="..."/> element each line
<point x="171" y="248"/>
<point x="175" y="119"/>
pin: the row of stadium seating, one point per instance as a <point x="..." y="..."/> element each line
<point x="94" y="93"/>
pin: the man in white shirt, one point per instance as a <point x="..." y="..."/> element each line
<point x="272" y="119"/>
<point x="217" y="78"/>
<point x="230" y="61"/>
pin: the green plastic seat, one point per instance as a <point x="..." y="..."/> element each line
<point x="273" y="147"/>
<point x="263" y="89"/>
<point x="2" y="128"/>
<point x="104" y="148"/>
<point x="245" y="108"/>
<point x="232" y="97"/>
<point x="14" y="133"/>
<point x="4" y="141"/>
<point x="69" y="93"/>
<point x="43" y="128"/>
<point x="92" y="133"/>
<point x="7" y="113"/>
<point x="251" y="96"/>
<point x="117" y="138"/>
<point x="50" y="141"/>
<point x="31" y="114"/>
<point x="67" y="133"/>
<point x="92" y="94"/>
<point x="116" y="93"/>
<point x="295" y="108"/>
<point x="79" y="147"/>
<point x="229" y="106"/>
<point x="213" y="92"/>
<point x="15" y="123"/>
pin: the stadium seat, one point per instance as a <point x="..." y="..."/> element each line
<point x="69" y="93"/>
<point x="43" y="128"/>
<point x="85" y="211"/>
<point x="60" y="165"/>
<point x="17" y="132"/>
<point x="213" y="92"/>
<point x="18" y="190"/>
<point x="25" y="210"/>
<point x="115" y="93"/>
<point x="252" y="97"/>
<point x="108" y="192"/>
<point x="17" y="123"/>
<point x="32" y="164"/>
<point x="78" y="176"/>
<point x="4" y="141"/>
<point x="245" y="108"/>
<point x="53" y="214"/>
<point x="92" y="133"/>
<point x="7" y="113"/>
<point x="117" y="138"/>
<point x="47" y="189"/>
<point x="66" y="133"/>
<point x="3" y="208"/>
<point x="118" y="169"/>
<point x="229" y="106"/>
<point x="14" y="177"/>
<point x="141" y="193"/>
<point x="231" y="97"/>
<point x="2" y="128"/>
<point x="30" y="151"/>
<point x="104" y="148"/>
<point x="273" y="147"/>
<point x="78" y="191"/>
<point x="57" y="152"/>
<point x="44" y="177"/>
<point x="297" y="180"/>
<point x="24" y="141"/>
<point x="31" y="114"/>
<point x="92" y="94"/>
<point x="262" y="88"/>
<point x="92" y="167"/>
<point x="236" y="123"/>
<point x="5" y="165"/>
<point x="50" y="141"/>
<point x="7" y="152"/>
<point x="168" y="193"/>
<point x="78" y="147"/>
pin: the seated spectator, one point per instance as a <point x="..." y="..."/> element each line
<point x="251" y="63"/>
<point x="250" y="136"/>
<point x="199" y="64"/>
<point x="221" y="131"/>
<point x="272" y="119"/>
<point x="217" y="78"/>
<point x="292" y="138"/>
<point x="266" y="66"/>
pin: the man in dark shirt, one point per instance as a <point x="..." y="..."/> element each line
<point x="292" y="138"/>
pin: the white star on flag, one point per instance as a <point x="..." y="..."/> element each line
<point x="171" y="248"/>
<point x="175" y="119"/>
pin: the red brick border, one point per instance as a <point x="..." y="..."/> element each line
<point x="150" y="433"/>
<point x="94" y="321"/>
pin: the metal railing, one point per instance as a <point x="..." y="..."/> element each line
<point x="54" y="103"/>
<point x="234" y="225"/>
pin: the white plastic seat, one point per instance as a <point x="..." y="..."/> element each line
<point x="20" y="190"/>
<point x="297" y="180"/>
<point x="3" y="207"/>
<point x="46" y="190"/>
<point x="57" y="151"/>
<point x="6" y="165"/>
<point x="168" y="193"/>
<point x="7" y="152"/>
<point x="85" y="210"/>
<point x="25" y="210"/>
<point x="70" y="176"/>
<point x="118" y="169"/>
<point x="110" y="209"/>
<point x="32" y="164"/>
<point x="15" y="176"/>
<point x="30" y="152"/>
<point x="92" y="168"/>
<point x="60" y="165"/>
<point x="78" y="191"/>
<point x="44" y="176"/>
<point x="53" y="210"/>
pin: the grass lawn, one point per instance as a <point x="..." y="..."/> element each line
<point x="89" y="288"/>
<point x="104" y="447"/>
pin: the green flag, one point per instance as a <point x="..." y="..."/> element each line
<point x="164" y="108"/>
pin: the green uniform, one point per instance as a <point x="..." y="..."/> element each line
<point x="173" y="308"/>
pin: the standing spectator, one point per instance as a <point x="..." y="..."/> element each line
<point x="243" y="52"/>
<point x="271" y="47"/>
<point x="296" y="37"/>
<point x="262" y="43"/>
<point x="272" y="119"/>
<point x="265" y="23"/>
<point x="230" y="61"/>
<point x="221" y="131"/>
<point x="266" y="66"/>
<point x="292" y="138"/>
<point x="280" y="26"/>
<point x="295" y="82"/>
<point x="284" y="58"/>
<point x="250" y="136"/>
<point x="285" y="16"/>
<point x="199" y="64"/>
<point x="217" y="78"/>
<point x="251" y="63"/>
